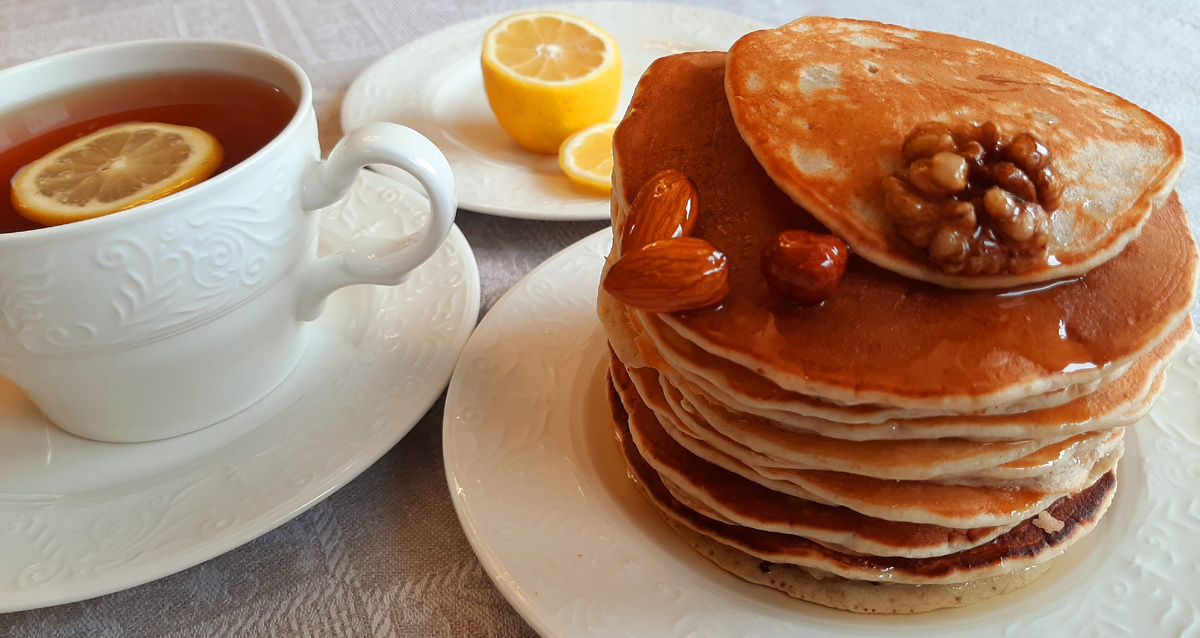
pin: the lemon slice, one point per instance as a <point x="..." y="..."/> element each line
<point x="586" y="158"/>
<point x="113" y="169"/>
<point x="548" y="75"/>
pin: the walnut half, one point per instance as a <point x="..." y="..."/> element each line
<point x="977" y="202"/>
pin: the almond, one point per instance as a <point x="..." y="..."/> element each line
<point x="665" y="207"/>
<point x="669" y="275"/>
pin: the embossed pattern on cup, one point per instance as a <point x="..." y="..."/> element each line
<point x="151" y="278"/>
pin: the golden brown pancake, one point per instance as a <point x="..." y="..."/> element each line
<point x="825" y="104"/>
<point x="1023" y="546"/>
<point x="861" y="596"/>
<point x="642" y="340"/>
<point x="1062" y="467"/>
<point x="763" y="443"/>
<point x="1116" y="404"/>
<point x="764" y="446"/>
<point x="726" y="490"/>
<point x="882" y="338"/>
<point x="825" y="523"/>
<point x="752" y="388"/>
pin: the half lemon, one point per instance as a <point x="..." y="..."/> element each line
<point x="549" y="74"/>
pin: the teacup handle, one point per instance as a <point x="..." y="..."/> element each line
<point x="376" y="260"/>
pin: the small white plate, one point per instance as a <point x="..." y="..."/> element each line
<point x="541" y="490"/>
<point x="81" y="518"/>
<point x="435" y="85"/>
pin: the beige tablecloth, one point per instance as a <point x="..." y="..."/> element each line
<point x="385" y="556"/>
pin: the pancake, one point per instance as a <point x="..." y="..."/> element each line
<point x="1024" y="546"/>
<point x="753" y="503"/>
<point x="746" y="386"/>
<point x="1061" y="467"/>
<point x="799" y="92"/>
<point x="941" y="501"/>
<point x="1067" y="466"/>
<point x="1116" y="404"/>
<point x="708" y="381"/>
<point x="762" y="444"/>
<point x="642" y="340"/>
<point x="759" y="444"/>
<point x="862" y="596"/>
<point x="738" y="381"/>
<point x="825" y="523"/>
<point x="882" y="338"/>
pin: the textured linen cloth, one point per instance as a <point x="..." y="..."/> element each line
<point x="385" y="556"/>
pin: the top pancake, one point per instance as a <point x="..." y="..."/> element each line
<point x="825" y="104"/>
<point x="881" y="338"/>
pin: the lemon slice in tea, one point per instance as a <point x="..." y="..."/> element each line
<point x="113" y="169"/>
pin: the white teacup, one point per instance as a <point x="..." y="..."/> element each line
<point x="171" y="316"/>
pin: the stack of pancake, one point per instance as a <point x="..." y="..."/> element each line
<point x="915" y="441"/>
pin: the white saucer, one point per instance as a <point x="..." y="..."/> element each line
<point x="435" y="85"/>
<point x="80" y="518"/>
<point x="541" y="490"/>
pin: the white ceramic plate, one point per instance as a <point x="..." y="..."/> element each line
<point x="80" y="518"/>
<point x="541" y="490"/>
<point x="434" y="85"/>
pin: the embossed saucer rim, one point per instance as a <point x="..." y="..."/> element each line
<point x="495" y="176"/>
<point x="541" y="492"/>
<point x="285" y="457"/>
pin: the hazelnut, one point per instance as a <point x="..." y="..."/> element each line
<point x="805" y="266"/>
